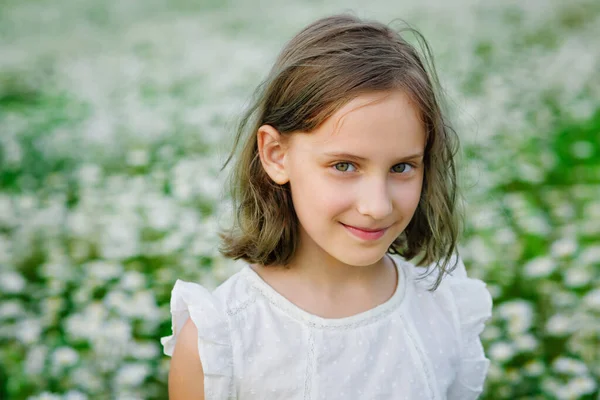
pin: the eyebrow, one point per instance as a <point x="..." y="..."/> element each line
<point x="349" y="156"/>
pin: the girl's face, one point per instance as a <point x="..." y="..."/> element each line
<point x="356" y="180"/>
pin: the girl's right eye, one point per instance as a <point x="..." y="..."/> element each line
<point x="343" y="166"/>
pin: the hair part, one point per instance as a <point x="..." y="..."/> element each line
<point x="327" y="64"/>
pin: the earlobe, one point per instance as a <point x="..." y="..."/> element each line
<point x="272" y="152"/>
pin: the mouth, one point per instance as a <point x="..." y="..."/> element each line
<point x="366" y="233"/>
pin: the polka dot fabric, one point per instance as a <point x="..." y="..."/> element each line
<point x="417" y="345"/>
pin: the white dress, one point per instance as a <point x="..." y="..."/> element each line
<point x="257" y="345"/>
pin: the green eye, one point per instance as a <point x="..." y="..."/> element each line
<point x="400" y="168"/>
<point x="342" y="167"/>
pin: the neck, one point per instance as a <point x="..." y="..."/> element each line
<point x="318" y="283"/>
<point x="317" y="268"/>
<point x="328" y="272"/>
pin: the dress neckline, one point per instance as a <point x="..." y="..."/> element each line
<point x="360" y="319"/>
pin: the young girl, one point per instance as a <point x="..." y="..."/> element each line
<point x="346" y="173"/>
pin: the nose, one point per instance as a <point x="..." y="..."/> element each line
<point x="374" y="199"/>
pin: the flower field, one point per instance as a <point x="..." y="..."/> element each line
<point x="116" y="116"/>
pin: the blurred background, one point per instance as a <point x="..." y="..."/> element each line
<point x="115" y="117"/>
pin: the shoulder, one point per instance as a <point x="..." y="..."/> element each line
<point x="235" y="294"/>
<point x="422" y="278"/>
<point x="466" y="299"/>
<point x="200" y="343"/>
<point x="192" y="302"/>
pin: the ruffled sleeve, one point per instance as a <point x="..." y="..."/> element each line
<point x="473" y="307"/>
<point x="190" y="300"/>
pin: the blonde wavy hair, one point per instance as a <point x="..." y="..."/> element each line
<point x="327" y="64"/>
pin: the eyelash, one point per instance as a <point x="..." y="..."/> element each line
<point x="352" y="164"/>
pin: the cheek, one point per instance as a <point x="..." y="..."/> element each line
<point x="319" y="196"/>
<point x="407" y="196"/>
<point x="335" y="202"/>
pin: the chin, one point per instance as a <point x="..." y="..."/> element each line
<point x="362" y="258"/>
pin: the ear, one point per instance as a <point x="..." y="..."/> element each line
<point x="272" y="150"/>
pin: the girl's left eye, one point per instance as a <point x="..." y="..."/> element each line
<point x="403" y="168"/>
<point x="343" y="166"/>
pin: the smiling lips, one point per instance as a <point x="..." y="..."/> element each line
<point x="364" y="233"/>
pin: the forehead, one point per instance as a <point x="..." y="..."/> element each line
<point x="370" y="125"/>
